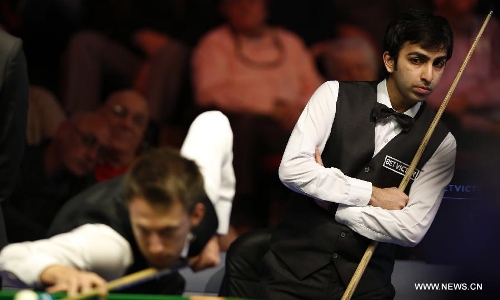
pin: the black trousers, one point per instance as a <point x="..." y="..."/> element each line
<point x="280" y="283"/>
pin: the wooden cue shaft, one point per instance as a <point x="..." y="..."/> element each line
<point x="373" y="245"/>
<point x="120" y="282"/>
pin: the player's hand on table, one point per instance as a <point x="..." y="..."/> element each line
<point x="60" y="278"/>
<point x="209" y="256"/>
<point x="389" y="198"/>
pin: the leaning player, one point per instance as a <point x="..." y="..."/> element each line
<point x="157" y="216"/>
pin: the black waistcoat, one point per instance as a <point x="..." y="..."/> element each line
<point x="308" y="237"/>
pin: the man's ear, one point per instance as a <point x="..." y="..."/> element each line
<point x="197" y="214"/>
<point x="388" y="62"/>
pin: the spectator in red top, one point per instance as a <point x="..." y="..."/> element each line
<point x="127" y="114"/>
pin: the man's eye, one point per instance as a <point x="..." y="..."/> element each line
<point x="415" y="61"/>
<point x="143" y="231"/>
<point x="440" y="64"/>
<point x="167" y="232"/>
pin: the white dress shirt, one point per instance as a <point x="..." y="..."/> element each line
<point x="99" y="248"/>
<point x="209" y="142"/>
<point x="300" y="172"/>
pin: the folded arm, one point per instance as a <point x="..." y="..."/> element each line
<point x="298" y="169"/>
<point x="407" y="226"/>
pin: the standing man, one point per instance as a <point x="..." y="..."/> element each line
<point x="14" y="95"/>
<point x="353" y="198"/>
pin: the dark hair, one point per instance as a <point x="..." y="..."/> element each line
<point x="162" y="176"/>
<point x="421" y="27"/>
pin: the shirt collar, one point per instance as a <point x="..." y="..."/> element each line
<point x="383" y="97"/>
<point x="185" y="250"/>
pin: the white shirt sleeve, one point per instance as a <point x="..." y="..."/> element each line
<point x="91" y="247"/>
<point x="209" y="143"/>
<point x="298" y="169"/>
<point x="408" y="226"/>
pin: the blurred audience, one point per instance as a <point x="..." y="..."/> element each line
<point x="53" y="172"/>
<point x="44" y="115"/>
<point x="141" y="44"/>
<point x="348" y="58"/>
<point x="475" y="102"/>
<point x="261" y="77"/>
<point x="371" y="16"/>
<point x="127" y="114"/>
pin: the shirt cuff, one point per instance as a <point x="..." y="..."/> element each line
<point x="360" y="192"/>
<point x="223" y="209"/>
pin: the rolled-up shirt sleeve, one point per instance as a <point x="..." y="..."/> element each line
<point x="92" y="247"/>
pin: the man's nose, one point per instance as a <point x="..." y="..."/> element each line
<point x="155" y="245"/>
<point x="427" y="73"/>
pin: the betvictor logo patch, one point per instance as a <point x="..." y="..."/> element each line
<point x="399" y="167"/>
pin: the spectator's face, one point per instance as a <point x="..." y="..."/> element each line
<point x="83" y="143"/>
<point x="245" y="16"/>
<point x="128" y="117"/>
<point x="161" y="233"/>
<point x="354" y="65"/>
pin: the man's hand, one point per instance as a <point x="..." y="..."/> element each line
<point x="209" y="256"/>
<point x="388" y="198"/>
<point x="60" y="278"/>
<point x="317" y="156"/>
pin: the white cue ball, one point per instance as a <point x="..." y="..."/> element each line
<point x="26" y="295"/>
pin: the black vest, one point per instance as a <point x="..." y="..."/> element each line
<point x="103" y="203"/>
<point x="308" y="237"/>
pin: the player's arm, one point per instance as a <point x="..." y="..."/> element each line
<point x="92" y="248"/>
<point x="386" y="198"/>
<point x="407" y="226"/>
<point x="298" y="169"/>
<point x="209" y="142"/>
<point x="208" y="257"/>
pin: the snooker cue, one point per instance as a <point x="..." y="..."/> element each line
<point x="126" y="280"/>
<point x="373" y="245"/>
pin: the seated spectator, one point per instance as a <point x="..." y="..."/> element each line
<point x="140" y="44"/>
<point x="127" y="114"/>
<point x="259" y="75"/>
<point x="52" y="172"/>
<point x="349" y="58"/>
<point x="44" y="115"/>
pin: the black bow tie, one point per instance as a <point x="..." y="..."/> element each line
<point x="380" y="111"/>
